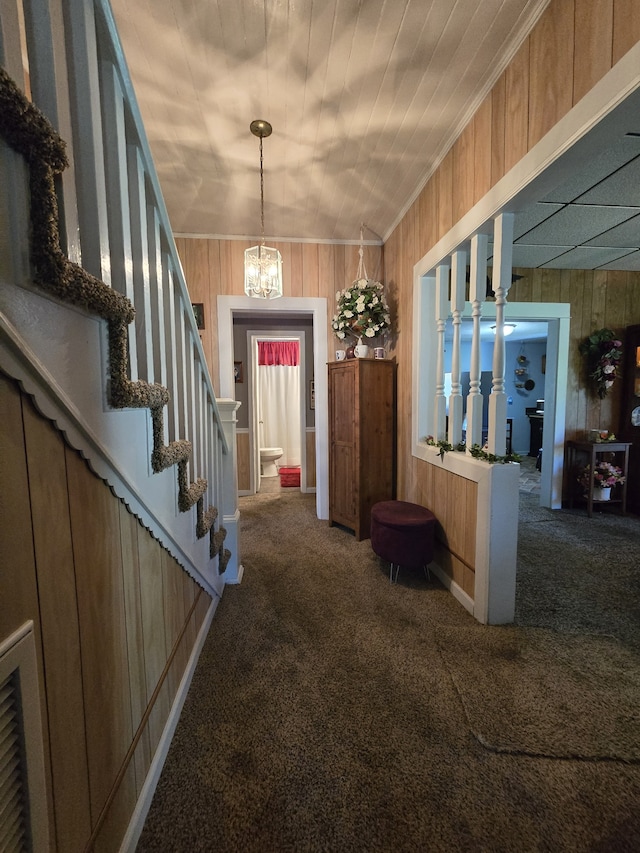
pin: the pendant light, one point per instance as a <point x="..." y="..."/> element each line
<point x="262" y="265"/>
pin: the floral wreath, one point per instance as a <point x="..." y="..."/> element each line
<point x="362" y="307"/>
<point x="603" y="352"/>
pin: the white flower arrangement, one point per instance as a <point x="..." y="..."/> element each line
<point x="362" y="310"/>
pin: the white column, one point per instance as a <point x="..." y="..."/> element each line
<point x="442" y="312"/>
<point x="502" y="270"/>
<point x="477" y="294"/>
<point x="458" y="275"/>
<point x="228" y="511"/>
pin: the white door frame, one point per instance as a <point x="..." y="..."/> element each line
<point x="253" y="336"/>
<point x="316" y="308"/>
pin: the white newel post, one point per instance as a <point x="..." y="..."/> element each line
<point x="477" y="295"/>
<point x="502" y="270"/>
<point x="442" y="312"/>
<point x="229" y="509"/>
<point x="458" y="275"/>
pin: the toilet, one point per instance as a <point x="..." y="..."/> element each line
<point x="268" y="458"/>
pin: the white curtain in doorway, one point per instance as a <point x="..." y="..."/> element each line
<point x="279" y="403"/>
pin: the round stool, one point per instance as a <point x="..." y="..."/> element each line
<point x="403" y="534"/>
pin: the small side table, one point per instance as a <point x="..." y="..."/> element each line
<point x="593" y="449"/>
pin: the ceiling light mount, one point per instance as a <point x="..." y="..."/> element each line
<point x="262" y="265"/>
<point x="507" y="329"/>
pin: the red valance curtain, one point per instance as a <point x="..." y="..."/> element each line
<point x="279" y="353"/>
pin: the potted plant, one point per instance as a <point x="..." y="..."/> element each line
<point x="605" y="476"/>
<point x="362" y="311"/>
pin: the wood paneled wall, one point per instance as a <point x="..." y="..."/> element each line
<point x="573" y="45"/>
<point x="116" y="620"/>
<point x="216" y="268"/>
<point x="599" y="299"/>
<point x="457" y="500"/>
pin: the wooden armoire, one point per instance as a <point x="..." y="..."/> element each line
<point x="362" y="440"/>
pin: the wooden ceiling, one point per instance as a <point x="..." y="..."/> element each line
<point x="365" y="97"/>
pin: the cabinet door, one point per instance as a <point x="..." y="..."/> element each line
<point x="342" y="474"/>
<point x="344" y="487"/>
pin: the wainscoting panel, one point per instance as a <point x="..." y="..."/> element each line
<point x="103" y="639"/>
<point x="115" y="618"/>
<point x="53" y="546"/>
<point x="453" y="500"/>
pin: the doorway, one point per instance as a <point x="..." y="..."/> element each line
<point x="313" y="308"/>
<point x="289" y="409"/>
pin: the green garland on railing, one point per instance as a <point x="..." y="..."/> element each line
<point x="475" y="450"/>
<point x="28" y="132"/>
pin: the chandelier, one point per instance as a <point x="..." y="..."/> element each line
<point x="262" y="265"/>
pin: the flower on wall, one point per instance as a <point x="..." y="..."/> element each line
<point x="603" y="352"/>
<point x="362" y="310"/>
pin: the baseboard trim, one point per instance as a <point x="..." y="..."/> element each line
<point x="136" y="824"/>
<point x="456" y="591"/>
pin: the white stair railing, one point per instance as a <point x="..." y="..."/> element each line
<point x="99" y="240"/>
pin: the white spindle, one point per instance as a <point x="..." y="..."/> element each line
<point x="117" y="184"/>
<point x="171" y="341"/>
<point x="502" y="270"/>
<point x="477" y="294"/>
<point x="88" y="149"/>
<point x="442" y="312"/>
<point x="156" y="293"/>
<point x="458" y="275"/>
<point x="140" y="259"/>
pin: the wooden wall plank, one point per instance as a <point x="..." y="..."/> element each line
<point x="310" y="271"/>
<point x="153" y="630"/>
<point x="482" y="144"/>
<point x="626" y="27"/>
<point x="174" y="620"/>
<point x="551" y="68"/>
<point x="95" y="526"/>
<point x="516" y="105"/>
<point x="593" y="44"/>
<point x="115" y="823"/>
<point x="296" y="274"/>
<point x="498" y="98"/>
<point x="464" y="166"/>
<point x="427" y="220"/>
<point x="130" y="530"/>
<point x="445" y="195"/>
<point x="60" y="629"/>
<point x="19" y="599"/>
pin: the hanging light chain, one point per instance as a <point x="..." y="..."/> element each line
<point x="261" y="193"/>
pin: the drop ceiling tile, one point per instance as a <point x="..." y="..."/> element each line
<point x="535" y="256"/>
<point x="626" y="235"/>
<point x="532" y="216"/>
<point x="628" y="262"/>
<point x="577" y="223"/>
<point x="620" y="188"/>
<point x="583" y="258"/>
<point x="597" y="170"/>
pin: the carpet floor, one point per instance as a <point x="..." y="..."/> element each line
<point x="333" y="711"/>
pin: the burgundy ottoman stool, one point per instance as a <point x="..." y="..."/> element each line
<point x="403" y="534"/>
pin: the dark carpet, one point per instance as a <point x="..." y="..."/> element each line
<point x="333" y="711"/>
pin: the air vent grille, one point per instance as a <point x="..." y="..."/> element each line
<point x="13" y="797"/>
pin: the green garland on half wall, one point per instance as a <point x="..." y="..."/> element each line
<point x="28" y="132"/>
